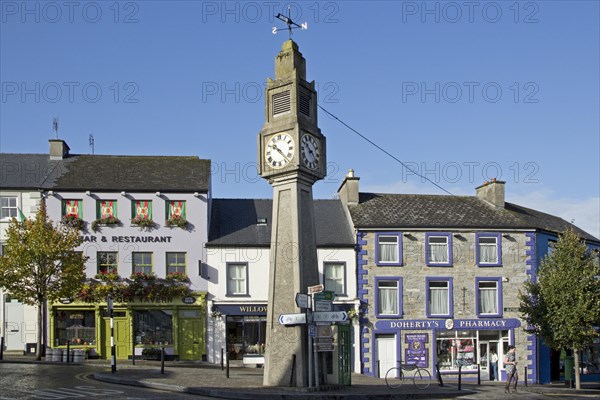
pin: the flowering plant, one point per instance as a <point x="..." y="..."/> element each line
<point x="177" y="220"/>
<point x="110" y="220"/>
<point x="176" y="277"/>
<point x="142" y="222"/>
<point x="143" y="276"/>
<point x="109" y="275"/>
<point x="73" y="221"/>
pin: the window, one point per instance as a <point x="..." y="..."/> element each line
<point x="237" y="279"/>
<point x="153" y="326"/>
<point x="141" y="209"/>
<point x="175" y="263"/>
<point x="334" y="277"/>
<point x="551" y="247"/>
<point x="176" y="210"/>
<point x="439" y="297"/>
<point x="388" y="250"/>
<point x="9" y="207"/>
<point x="488" y="250"/>
<point x="107" y="262"/>
<point x="388" y="297"/>
<point x="438" y="250"/>
<point x="142" y="263"/>
<point x="106" y="209"/>
<point x="488" y="297"/>
<point x="72" y="208"/>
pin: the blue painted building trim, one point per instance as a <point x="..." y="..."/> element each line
<point x="362" y="291"/>
<point x="537" y="373"/>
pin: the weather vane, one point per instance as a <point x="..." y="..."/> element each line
<point x="290" y="24"/>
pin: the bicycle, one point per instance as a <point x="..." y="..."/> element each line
<point x="394" y="377"/>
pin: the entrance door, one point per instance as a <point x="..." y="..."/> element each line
<point x="484" y="360"/>
<point x="190" y="339"/>
<point x="13" y="326"/>
<point x="386" y="354"/>
<point x="344" y="354"/>
<point x="122" y="338"/>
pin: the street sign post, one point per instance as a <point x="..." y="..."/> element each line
<point x="315" y="289"/>
<point x="330" y="316"/>
<point x="292" y="319"/>
<point x="323" y="305"/>
<point x="303" y="300"/>
<point x="325" y="295"/>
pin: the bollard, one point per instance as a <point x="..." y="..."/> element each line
<point x="478" y="374"/>
<point x="378" y="369"/>
<point x="525" y="375"/>
<point x="1" y="347"/>
<point x="459" y="377"/>
<point x="68" y="351"/>
<point x="227" y="366"/>
<point x="133" y="350"/>
<point x="222" y="365"/>
<point x="162" y="359"/>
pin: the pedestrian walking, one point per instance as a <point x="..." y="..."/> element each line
<point x="510" y="365"/>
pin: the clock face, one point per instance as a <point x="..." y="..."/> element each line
<point x="279" y="150"/>
<point x="310" y="151"/>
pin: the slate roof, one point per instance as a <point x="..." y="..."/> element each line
<point x="105" y="173"/>
<point x="233" y="222"/>
<point x="419" y="211"/>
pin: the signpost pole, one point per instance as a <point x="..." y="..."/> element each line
<point x="113" y="355"/>
<point x="310" y="344"/>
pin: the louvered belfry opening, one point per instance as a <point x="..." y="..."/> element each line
<point x="281" y="102"/>
<point x="304" y="101"/>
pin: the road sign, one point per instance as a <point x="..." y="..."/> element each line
<point x="323" y="305"/>
<point x="312" y="331"/>
<point x="292" y="319"/>
<point x="326" y="295"/>
<point x="302" y="300"/>
<point x="325" y="347"/>
<point x="315" y="289"/>
<point x="330" y="316"/>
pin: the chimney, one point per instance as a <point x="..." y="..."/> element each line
<point x="348" y="191"/>
<point x="492" y="193"/>
<point x="58" y="149"/>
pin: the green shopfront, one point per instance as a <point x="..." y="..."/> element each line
<point x="139" y="328"/>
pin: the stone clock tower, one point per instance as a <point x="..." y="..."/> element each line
<point x="291" y="154"/>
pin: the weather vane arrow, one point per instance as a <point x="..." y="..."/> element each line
<point x="290" y="24"/>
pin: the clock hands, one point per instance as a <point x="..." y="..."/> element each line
<point x="280" y="152"/>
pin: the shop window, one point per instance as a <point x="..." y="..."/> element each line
<point x="153" y="327"/>
<point x="76" y="326"/>
<point x="439" y="297"/>
<point x="8" y="207"/>
<point x="488" y="297"/>
<point x="488" y="252"/>
<point x="237" y="279"/>
<point x="107" y="262"/>
<point x="246" y="335"/>
<point x="438" y="249"/>
<point x="388" y="297"/>
<point x="388" y="250"/>
<point x="335" y="277"/>
<point x="142" y="262"/>
<point x="457" y="348"/>
<point x="175" y="263"/>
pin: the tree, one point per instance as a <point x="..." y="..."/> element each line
<point x="563" y="305"/>
<point x="40" y="265"/>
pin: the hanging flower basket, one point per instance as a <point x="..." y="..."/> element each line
<point x="105" y="221"/>
<point x="73" y="221"/>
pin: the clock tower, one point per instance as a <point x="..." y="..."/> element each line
<point x="291" y="154"/>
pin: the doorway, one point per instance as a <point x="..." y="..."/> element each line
<point x="386" y="354"/>
<point x="484" y="360"/>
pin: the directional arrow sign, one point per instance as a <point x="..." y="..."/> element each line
<point x="330" y="316"/>
<point x="292" y="319"/>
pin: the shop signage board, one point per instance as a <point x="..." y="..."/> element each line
<point x="188" y="300"/>
<point x="292" y="319"/>
<point x="330" y="316"/>
<point x="302" y="300"/>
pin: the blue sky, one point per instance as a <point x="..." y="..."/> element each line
<point x="461" y="91"/>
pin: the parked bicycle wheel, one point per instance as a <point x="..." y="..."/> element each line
<point x="394" y="377"/>
<point x="422" y="378"/>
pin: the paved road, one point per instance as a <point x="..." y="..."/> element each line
<point x="53" y="382"/>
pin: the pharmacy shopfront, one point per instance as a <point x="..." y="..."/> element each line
<point x="446" y="343"/>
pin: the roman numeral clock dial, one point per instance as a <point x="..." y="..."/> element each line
<point x="310" y="151"/>
<point x="280" y="150"/>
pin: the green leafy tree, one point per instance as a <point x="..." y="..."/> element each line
<point x="40" y="265"/>
<point x="563" y="305"/>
